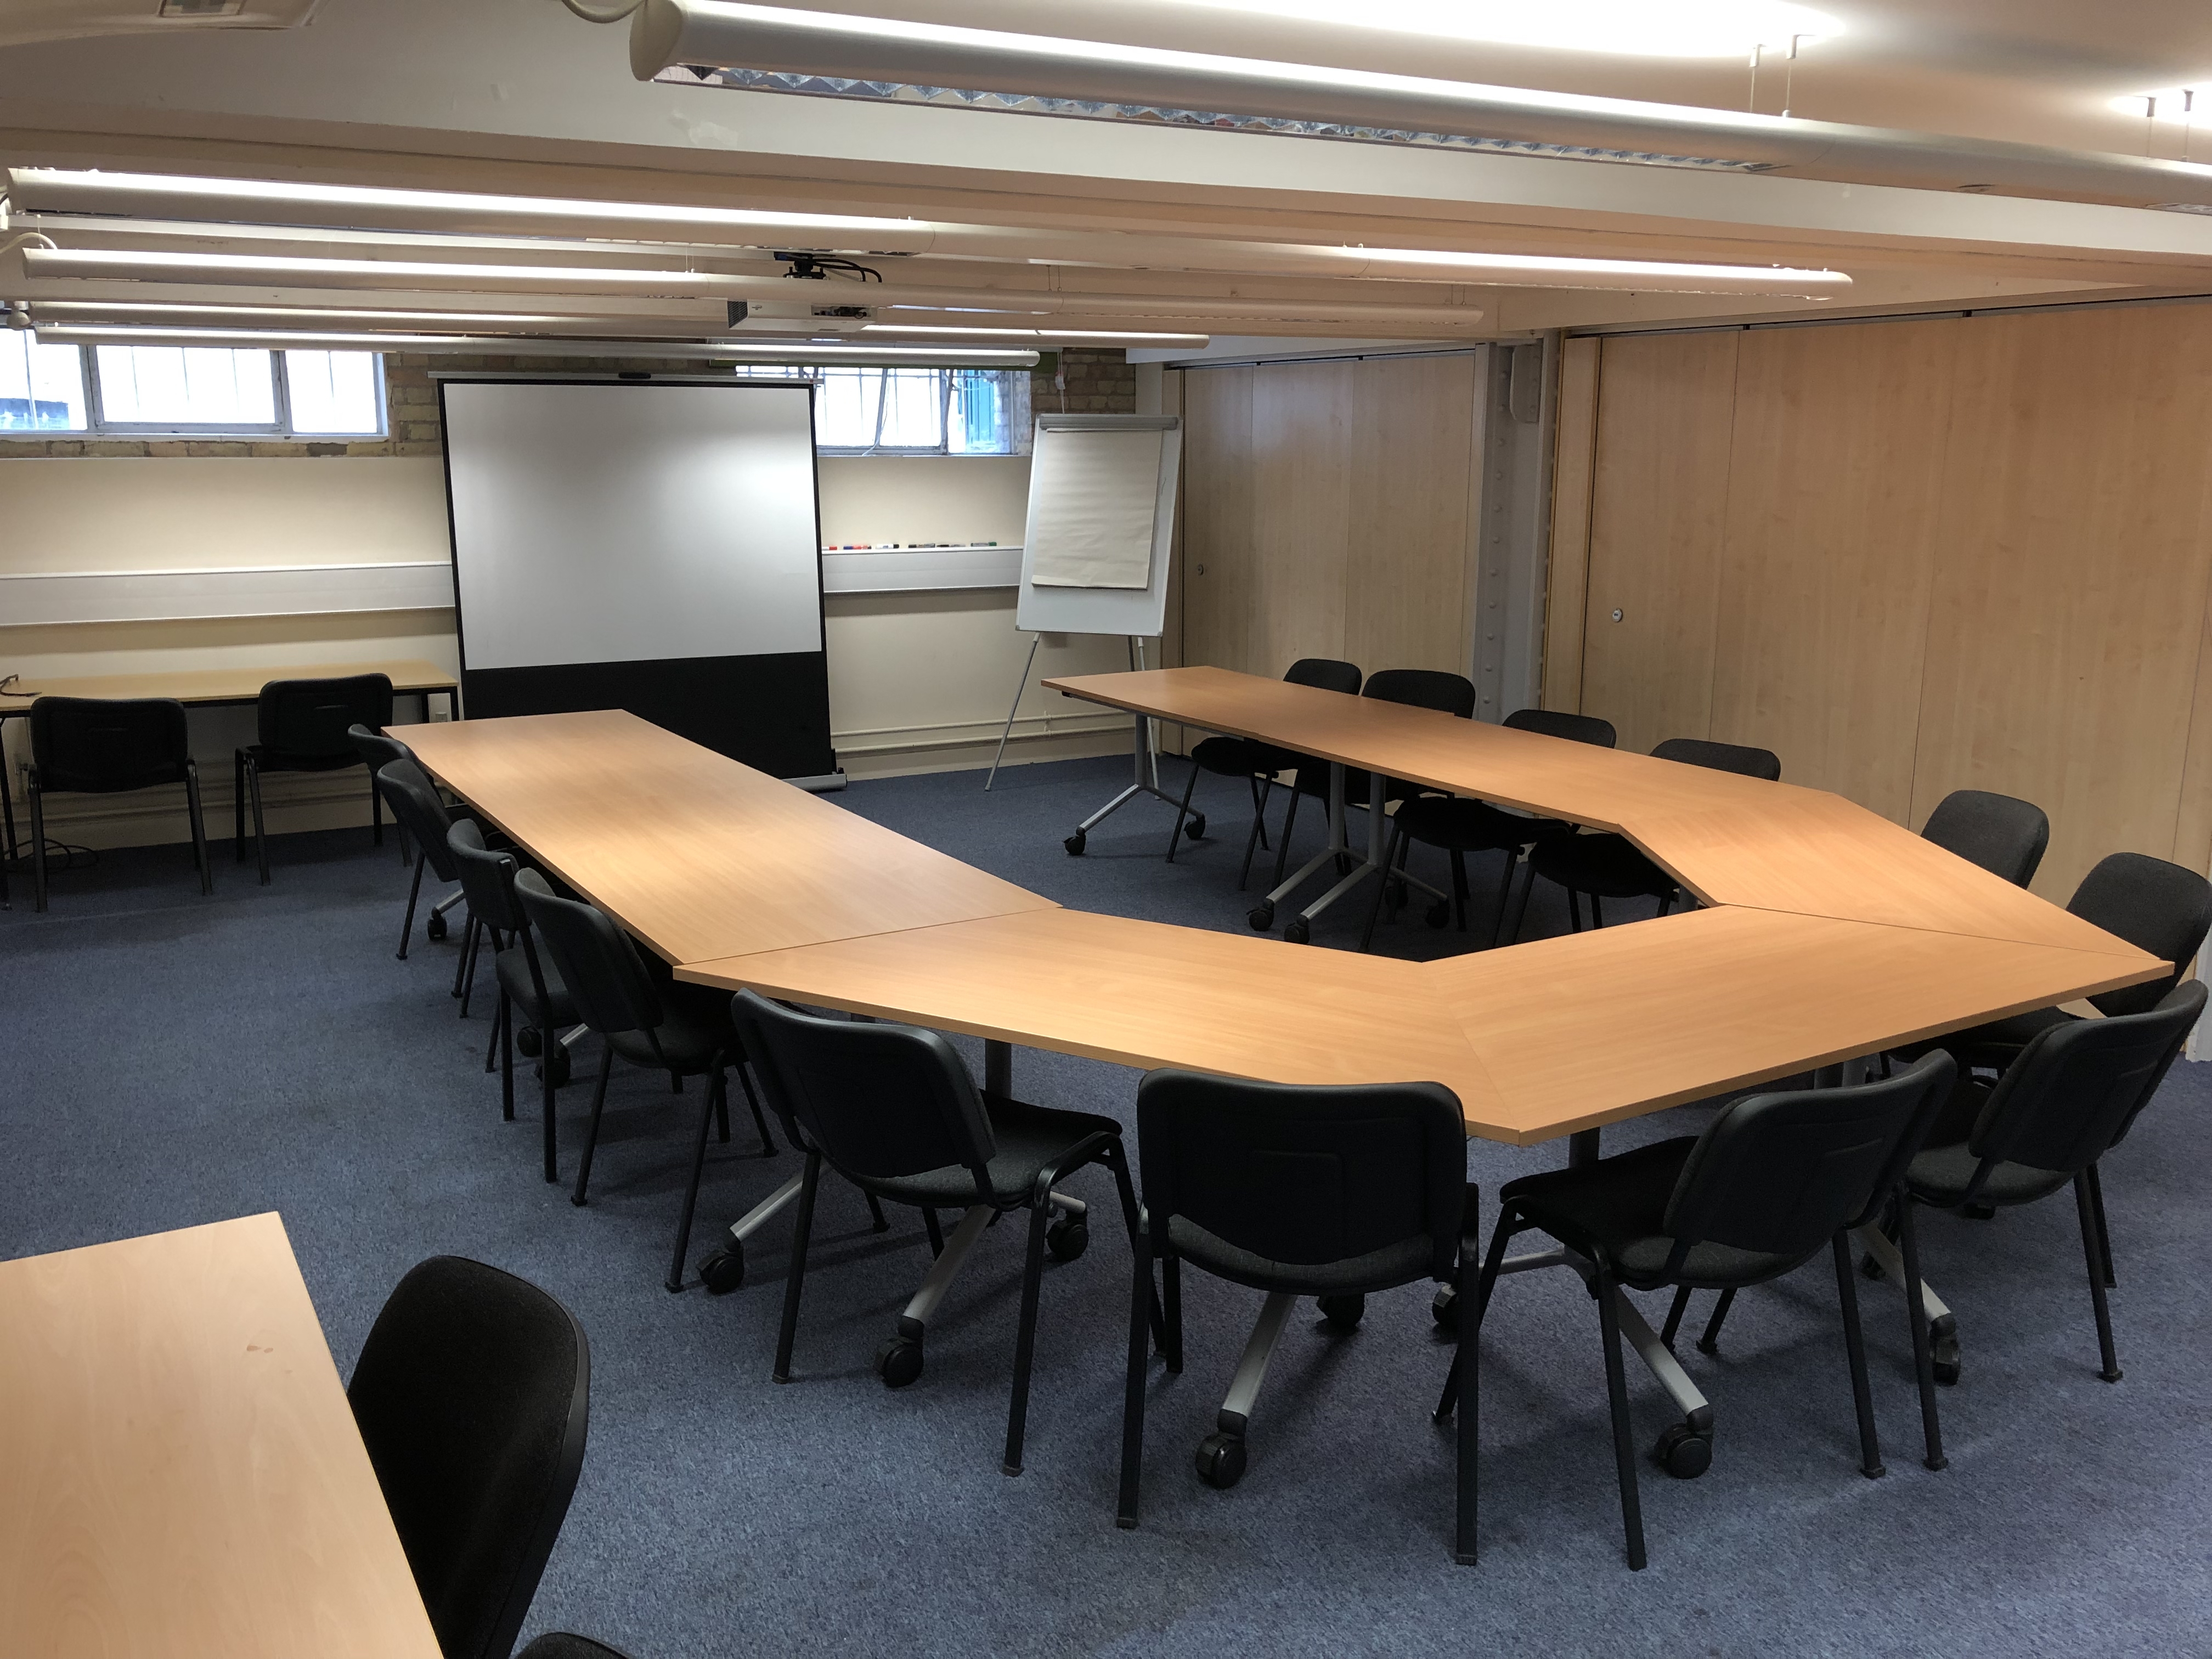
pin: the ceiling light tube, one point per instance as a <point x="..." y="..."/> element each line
<point x="733" y="34"/>
<point x="1057" y="335"/>
<point x="216" y="315"/>
<point x="257" y="268"/>
<point x="540" y="346"/>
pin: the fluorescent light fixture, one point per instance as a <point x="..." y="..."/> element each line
<point x="35" y="187"/>
<point x="215" y="314"/>
<point x="1616" y="273"/>
<point x="99" y="262"/>
<point x="1133" y="337"/>
<point x="538" y="346"/>
<point x="1641" y="28"/>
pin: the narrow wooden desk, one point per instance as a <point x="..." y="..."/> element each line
<point x="182" y="1474"/>
<point x="697" y="855"/>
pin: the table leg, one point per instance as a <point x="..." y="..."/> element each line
<point x="1582" y="1148"/>
<point x="998" y="1067"/>
<point x="1147" y="783"/>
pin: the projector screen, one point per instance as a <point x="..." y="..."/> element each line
<point x="648" y="545"/>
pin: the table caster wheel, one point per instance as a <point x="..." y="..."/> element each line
<point x="435" y="928"/>
<point x="1297" y="933"/>
<point x="1068" y="1239"/>
<point x="1196" y="828"/>
<point x="554" y="1065"/>
<point x="1943" y="1338"/>
<point x="1682" y="1452"/>
<point x="528" y="1040"/>
<point x="1075" y="844"/>
<point x="1261" y="916"/>
<point x="1341" y="1313"/>
<point x="898" y="1362"/>
<point x="1445" y="1309"/>
<point x="1869" y="1268"/>
<point x="1221" y="1461"/>
<point x="724" y="1268"/>
<point x="1947" y="1372"/>
<point x="1439" y="913"/>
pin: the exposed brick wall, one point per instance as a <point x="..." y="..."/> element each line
<point x="1098" y="382"/>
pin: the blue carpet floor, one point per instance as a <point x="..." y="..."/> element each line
<point x="174" y="1060"/>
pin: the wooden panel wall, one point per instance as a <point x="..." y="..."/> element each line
<point x="1919" y="556"/>
<point x="1566" y="585"/>
<point x="1330" y="504"/>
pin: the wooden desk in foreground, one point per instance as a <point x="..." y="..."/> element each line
<point x="181" y="1477"/>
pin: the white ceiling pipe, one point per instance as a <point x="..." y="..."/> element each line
<point x="728" y="34"/>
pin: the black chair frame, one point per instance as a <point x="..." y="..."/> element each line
<point x="305" y="726"/>
<point x="155" y="727"/>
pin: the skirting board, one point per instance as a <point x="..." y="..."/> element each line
<point x="47" y="597"/>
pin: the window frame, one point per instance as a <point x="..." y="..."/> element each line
<point x="281" y="430"/>
<point x="942" y="450"/>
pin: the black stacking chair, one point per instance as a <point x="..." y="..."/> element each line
<point x="1460" y="826"/>
<point x="684" y="1034"/>
<point x="473" y="1396"/>
<point x="303" y="727"/>
<point x="1332" y="1193"/>
<point x="104" y="747"/>
<point x="1609" y="867"/>
<point x="2005" y="836"/>
<point x="527" y="982"/>
<point x="421" y="810"/>
<point x="378" y="752"/>
<point x="893" y="1110"/>
<point x="1257" y="762"/>
<point x="1773" y="1178"/>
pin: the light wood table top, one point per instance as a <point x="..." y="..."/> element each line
<point x="182" y="1475"/>
<point x="697" y="855"/>
<point x="220" y="685"/>
<point x="1140" y="994"/>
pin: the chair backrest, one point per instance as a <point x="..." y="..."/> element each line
<point x="1553" y="723"/>
<point x="1722" y="757"/>
<point x="1304" y="1175"/>
<point x="415" y="802"/>
<point x="376" y="751"/>
<point x="99" y="745"/>
<point x="596" y="959"/>
<point x="1423" y="688"/>
<point x="2076" y="1088"/>
<point x="2157" y="906"/>
<point x="487" y="878"/>
<point x="473" y="1396"/>
<point x="878" y="1100"/>
<point x="1782" y="1174"/>
<point x="1326" y="673"/>
<point x="312" y="717"/>
<point x="2005" y="836"/>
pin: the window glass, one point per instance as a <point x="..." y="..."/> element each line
<point x="927" y="411"/>
<point x="334" y="391"/>
<point x="41" y="386"/>
<point x="194" y="387"/>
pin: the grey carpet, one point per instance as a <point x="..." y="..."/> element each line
<point x="174" y="1060"/>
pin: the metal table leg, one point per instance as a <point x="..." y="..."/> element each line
<point x="1300" y="927"/>
<point x="1147" y="783"/>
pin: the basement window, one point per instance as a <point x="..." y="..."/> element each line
<point x="914" y="411"/>
<point x="190" y="391"/>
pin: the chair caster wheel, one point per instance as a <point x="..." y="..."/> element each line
<point x="1221" y="1461"/>
<point x="1683" y="1453"/>
<point x="1067" y="1239"/>
<point x="1297" y="933"/>
<point x="1341" y="1313"/>
<point x="1196" y="828"/>
<point x="529" y="1042"/>
<point x="898" y="1362"/>
<point x="1261" y="916"/>
<point x="1979" y="1211"/>
<point x="1075" y="844"/>
<point x="723" y="1269"/>
<point x="435" y="928"/>
<point x="1437" y="914"/>
<point x="1445" y="1309"/>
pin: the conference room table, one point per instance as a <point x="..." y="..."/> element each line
<point x="180" y="1472"/>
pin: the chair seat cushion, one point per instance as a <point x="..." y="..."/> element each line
<point x="280" y="759"/>
<point x="1401" y="1263"/>
<point x="513" y="970"/>
<point x="54" y="781"/>
<point x="1029" y="1138"/>
<point x="1472" y="826"/>
<point x="1607" y="866"/>
<point x="1941" y="1176"/>
<point x="695" y="1031"/>
<point x="1618" y="1205"/>
<point x="1242" y="758"/>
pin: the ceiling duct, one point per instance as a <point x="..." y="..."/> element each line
<point x="725" y="33"/>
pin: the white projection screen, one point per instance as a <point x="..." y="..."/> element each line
<point x="651" y="545"/>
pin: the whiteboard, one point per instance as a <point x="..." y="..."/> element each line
<point x="1097" y="484"/>
<point x="612" y="522"/>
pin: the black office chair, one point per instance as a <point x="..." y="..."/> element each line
<point x="303" y="727"/>
<point x="1329" y="1192"/>
<point x="1773" y="1178"/>
<point x="1460" y="826"/>
<point x="103" y="746"/>
<point x="893" y="1110"/>
<point x="1609" y="867"/>
<point x="419" y="809"/>
<point x="527" y="981"/>
<point x="684" y="1033"/>
<point x="1257" y="762"/>
<point x="473" y="1396"/>
<point x="2005" y="836"/>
